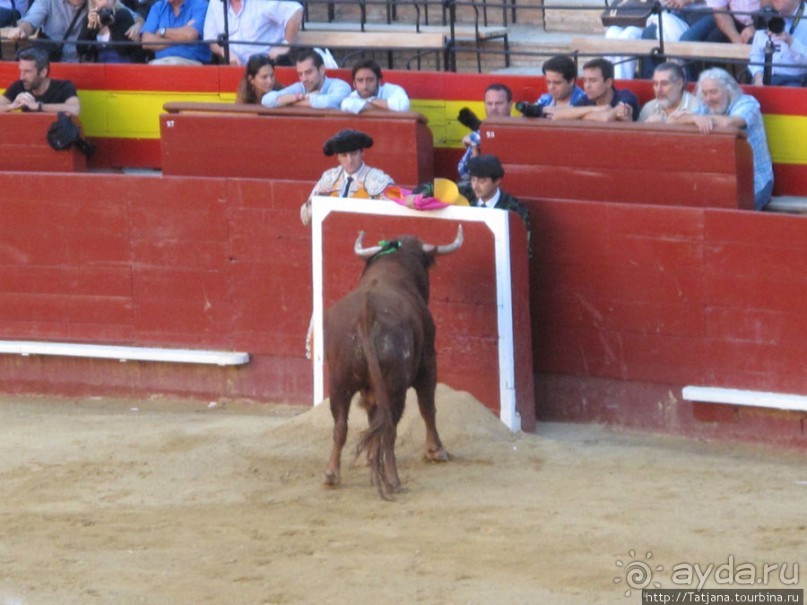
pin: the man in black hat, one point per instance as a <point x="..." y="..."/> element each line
<point x="352" y="178"/>
<point x="484" y="189"/>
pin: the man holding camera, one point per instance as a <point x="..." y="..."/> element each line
<point x="498" y="104"/>
<point x="781" y="48"/>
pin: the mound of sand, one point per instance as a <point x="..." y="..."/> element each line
<point x="461" y="418"/>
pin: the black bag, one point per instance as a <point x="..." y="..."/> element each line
<point x="625" y="13"/>
<point x="63" y="133"/>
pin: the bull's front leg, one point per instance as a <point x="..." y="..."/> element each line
<point x="340" y="405"/>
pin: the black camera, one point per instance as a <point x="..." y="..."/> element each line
<point x="468" y="119"/>
<point x="769" y="19"/>
<point x="106" y="16"/>
<point x="530" y="110"/>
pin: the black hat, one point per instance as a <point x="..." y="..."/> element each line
<point x="346" y="141"/>
<point x="486" y="166"/>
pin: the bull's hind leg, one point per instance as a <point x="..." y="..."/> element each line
<point x="390" y="464"/>
<point x="340" y="406"/>
<point x="435" y="452"/>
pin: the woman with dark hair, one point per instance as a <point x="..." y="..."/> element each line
<point x="259" y="78"/>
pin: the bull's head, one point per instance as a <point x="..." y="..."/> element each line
<point x="366" y="253"/>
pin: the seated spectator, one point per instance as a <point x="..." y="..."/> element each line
<point x="273" y="23"/>
<point x="59" y="20"/>
<point x="669" y="82"/>
<point x="314" y="89"/>
<point x="725" y="104"/>
<point x="176" y="21"/>
<point x="259" y="78"/>
<point x="36" y="91"/>
<point x="560" y="74"/>
<point x="11" y="10"/>
<point x="370" y="93"/>
<point x="789" y="59"/>
<point x="352" y="178"/>
<point x="484" y="189"/>
<point x="603" y="102"/>
<point x="676" y="19"/>
<point x="107" y="22"/>
<point x="728" y="21"/>
<point x="498" y="104"/>
<point x="139" y="7"/>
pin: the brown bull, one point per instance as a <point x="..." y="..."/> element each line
<point x="379" y="341"/>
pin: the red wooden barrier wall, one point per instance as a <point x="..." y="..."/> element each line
<point x="203" y="263"/>
<point x="25" y="145"/>
<point x="641" y="163"/>
<point x="287" y="143"/>
<point x="630" y="302"/>
<point x="634" y="302"/>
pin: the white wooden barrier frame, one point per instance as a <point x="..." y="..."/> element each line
<point x="757" y="399"/>
<point x="496" y="220"/>
<point x="123" y="353"/>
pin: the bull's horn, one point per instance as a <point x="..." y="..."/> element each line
<point x="362" y="251"/>
<point x="448" y="248"/>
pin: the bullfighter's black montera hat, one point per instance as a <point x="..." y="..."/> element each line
<point x="346" y="141"/>
<point x="486" y="166"/>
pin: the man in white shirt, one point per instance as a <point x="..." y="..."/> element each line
<point x="314" y="89"/>
<point x="370" y="93"/>
<point x="273" y="23"/>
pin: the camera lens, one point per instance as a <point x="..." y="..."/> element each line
<point x="106" y="16"/>
<point x="530" y="110"/>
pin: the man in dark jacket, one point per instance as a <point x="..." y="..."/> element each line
<point x="484" y="189"/>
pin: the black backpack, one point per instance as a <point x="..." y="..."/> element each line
<point x="63" y="133"/>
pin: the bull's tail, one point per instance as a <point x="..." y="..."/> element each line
<point x="378" y="441"/>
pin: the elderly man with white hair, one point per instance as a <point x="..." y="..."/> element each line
<point x="725" y="105"/>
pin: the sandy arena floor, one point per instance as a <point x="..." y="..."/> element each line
<point x="129" y="502"/>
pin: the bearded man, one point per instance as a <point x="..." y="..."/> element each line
<point x="669" y="81"/>
<point x="36" y="91"/>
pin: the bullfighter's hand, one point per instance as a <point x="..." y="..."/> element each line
<point x="305" y="213"/>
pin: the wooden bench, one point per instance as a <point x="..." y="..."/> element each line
<point x="420" y="43"/>
<point x="789" y="204"/>
<point x="733" y="53"/>
<point x="24" y="146"/>
<point x="475" y="34"/>
<point x="245" y="141"/>
<point x="665" y="164"/>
